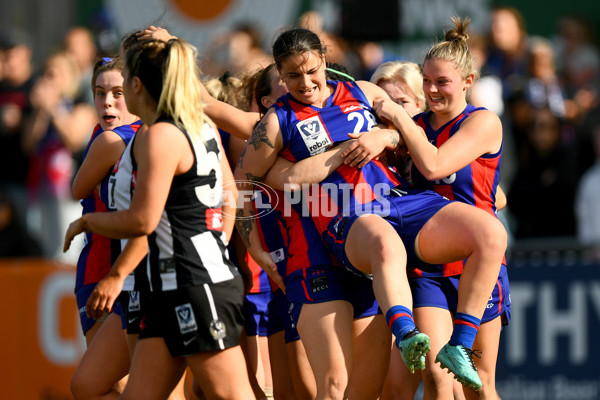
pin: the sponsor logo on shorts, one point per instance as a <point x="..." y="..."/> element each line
<point x="217" y="329"/>
<point x="188" y="341"/>
<point x="185" y="317"/>
<point x="134" y="301"/>
<point x="319" y="284"/>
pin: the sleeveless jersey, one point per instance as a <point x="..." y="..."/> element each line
<point x="99" y="252"/>
<point x="260" y="280"/>
<point x="119" y="193"/>
<point x="474" y="184"/>
<point x="308" y="130"/>
<point x="292" y="240"/>
<point x="187" y="248"/>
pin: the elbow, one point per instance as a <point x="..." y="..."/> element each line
<point x="431" y="175"/>
<point x="78" y="194"/>
<point x="79" y="191"/>
<point x="142" y="227"/>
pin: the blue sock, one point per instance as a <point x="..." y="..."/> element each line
<point x="465" y="330"/>
<point x="400" y="320"/>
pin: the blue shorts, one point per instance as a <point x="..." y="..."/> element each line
<point x="256" y="313"/>
<point x="82" y="296"/>
<point x="442" y="292"/>
<point x="280" y="319"/>
<point x="407" y="213"/>
<point x="328" y="283"/>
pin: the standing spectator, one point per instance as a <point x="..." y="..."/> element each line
<point x="587" y="206"/>
<point x="15" y="84"/>
<point x="79" y="43"/>
<point x="238" y="51"/>
<point x="542" y="87"/>
<point x="547" y="170"/>
<point x="56" y="129"/>
<point x="578" y="59"/>
<point x="507" y="57"/>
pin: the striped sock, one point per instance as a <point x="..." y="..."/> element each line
<point x="465" y="330"/>
<point x="400" y="320"/>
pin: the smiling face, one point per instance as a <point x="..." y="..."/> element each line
<point x="444" y="87"/>
<point x="110" y="101"/>
<point x="304" y="77"/>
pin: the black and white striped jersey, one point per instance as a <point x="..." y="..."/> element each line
<point x="188" y="247"/>
<point x="120" y="191"/>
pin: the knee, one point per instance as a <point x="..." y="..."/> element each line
<point x="438" y="382"/>
<point x="386" y="247"/>
<point x="488" y="386"/>
<point x="335" y="387"/>
<point x="493" y="238"/>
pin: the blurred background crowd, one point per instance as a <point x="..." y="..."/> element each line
<point x="544" y="86"/>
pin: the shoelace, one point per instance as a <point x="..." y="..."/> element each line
<point x="470" y="353"/>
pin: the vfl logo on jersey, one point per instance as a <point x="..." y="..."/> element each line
<point x="314" y="135"/>
<point x="217" y="329"/>
<point x="134" y="301"/>
<point x="185" y="317"/>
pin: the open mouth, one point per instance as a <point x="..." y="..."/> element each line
<point x="109" y="119"/>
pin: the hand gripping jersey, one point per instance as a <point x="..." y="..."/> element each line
<point x="99" y="252"/>
<point x="309" y="130"/>
<point x="474" y="184"/>
<point x="187" y="248"/>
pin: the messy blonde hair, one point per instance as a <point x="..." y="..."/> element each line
<point x="405" y="71"/>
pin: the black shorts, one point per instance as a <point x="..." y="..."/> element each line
<point x="196" y="319"/>
<point x="134" y="304"/>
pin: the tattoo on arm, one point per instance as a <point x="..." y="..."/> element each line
<point x="259" y="136"/>
<point x="240" y="162"/>
<point x="244" y="226"/>
<point x="395" y="140"/>
<point x="254" y="178"/>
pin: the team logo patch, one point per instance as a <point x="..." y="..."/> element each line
<point x="134" y="301"/>
<point x="217" y="329"/>
<point x="314" y="135"/>
<point x="319" y="284"/>
<point x="277" y="255"/>
<point x="185" y="317"/>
